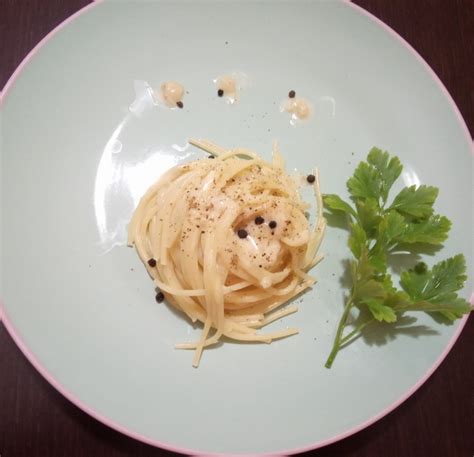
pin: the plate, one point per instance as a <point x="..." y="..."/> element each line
<point x="77" y="155"/>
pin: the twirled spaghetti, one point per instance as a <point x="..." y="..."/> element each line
<point x="228" y="242"/>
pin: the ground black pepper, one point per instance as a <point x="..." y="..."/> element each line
<point x="152" y="262"/>
<point x="159" y="297"/>
<point x="259" y="220"/>
<point x="272" y="224"/>
<point x="220" y="92"/>
<point x="311" y="178"/>
<point x="291" y="94"/>
<point x="179" y="104"/>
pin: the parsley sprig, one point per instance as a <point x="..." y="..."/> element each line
<point x="378" y="229"/>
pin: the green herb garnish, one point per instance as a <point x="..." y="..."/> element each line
<point x="379" y="229"/>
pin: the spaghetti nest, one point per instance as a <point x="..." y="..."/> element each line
<point x="228" y="242"/>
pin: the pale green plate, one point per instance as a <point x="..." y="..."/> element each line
<point x="75" y="160"/>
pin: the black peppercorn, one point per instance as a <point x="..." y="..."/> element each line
<point x="242" y="233"/>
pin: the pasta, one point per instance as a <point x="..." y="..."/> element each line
<point x="228" y="243"/>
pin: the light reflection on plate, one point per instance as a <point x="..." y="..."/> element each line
<point x="123" y="176"/>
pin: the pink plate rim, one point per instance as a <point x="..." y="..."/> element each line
<point x="17" y="338"/>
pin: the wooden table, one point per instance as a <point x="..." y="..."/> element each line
<point x="438" y="420"/>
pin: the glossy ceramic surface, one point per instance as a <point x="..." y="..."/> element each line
<point x="81" y="142"/>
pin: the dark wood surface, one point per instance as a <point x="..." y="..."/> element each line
<point x="438" y="420"/>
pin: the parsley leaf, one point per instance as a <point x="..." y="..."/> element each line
<point x="381" y="312"/>
<point x="365" y="183"/>
<point x="357" y="240"/>
<point x="433" y="230"/>
<point x="416" y="201"/>
<point x="451" y="310"/>
<point x="376" y="231"/>
<point x="335" y="203"/>
<point x="389" y="169"/>
<point x="391" y="228"/>
<point x="368" y="214"/>
<point x="374" y="178"/>
<point x="438" y="285"/>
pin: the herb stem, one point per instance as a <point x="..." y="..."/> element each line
<point x="340" y="328"/>
<point x="347" y="339"/>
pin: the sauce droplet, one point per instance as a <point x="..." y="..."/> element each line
<point x="298" y="107"/>
<point x="172" y="93"/>
<point x="229" y="86"/>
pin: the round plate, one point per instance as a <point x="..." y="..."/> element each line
<point x="78" y="153"/>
